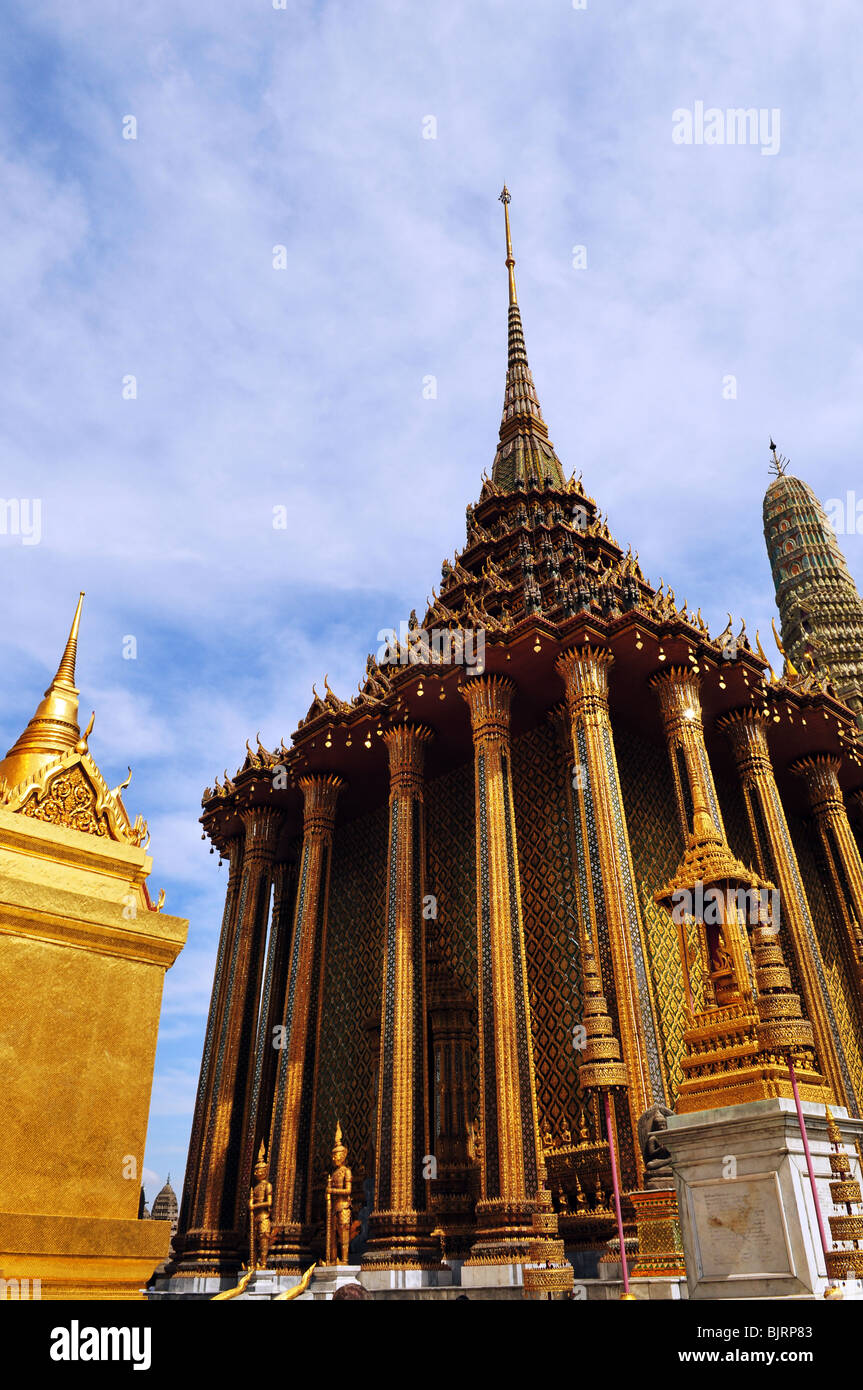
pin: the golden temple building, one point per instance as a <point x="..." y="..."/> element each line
<point x="465" y="909"/>
<point x="83" y="955"/>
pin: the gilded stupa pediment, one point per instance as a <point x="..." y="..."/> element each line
<point x="71" y="792"/>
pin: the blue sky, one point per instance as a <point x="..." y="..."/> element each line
<point x="303" y="387"/>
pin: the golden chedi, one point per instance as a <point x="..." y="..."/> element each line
<point x="83" y="959"/>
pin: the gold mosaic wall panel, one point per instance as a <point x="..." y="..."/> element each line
<point x="352" y="990"/>
<point x="452" y="868"/>
<point x="451" y="851"/>
<point x="739" y="837"/>
<point x="657" y="847"/>
<point x="826" y="931"/>
<point x="733" y="808"/>
<point x="548" y="900"/>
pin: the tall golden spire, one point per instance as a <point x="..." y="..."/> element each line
<point x="54" y="727"/>
<point x="66" y="669"/>
<point x="525" y="451"/>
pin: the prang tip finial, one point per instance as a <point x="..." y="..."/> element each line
<point x="780" y="463"/>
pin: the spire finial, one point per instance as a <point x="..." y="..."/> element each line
<point x="66" y="669"/>
<point x="53" y="730"/>
<point x="506" y="199"/>
<point x="780" y="463"/>
<point x="525" y="452"/>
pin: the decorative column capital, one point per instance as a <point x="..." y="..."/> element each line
<point x="406" y="748"/>
<point x="585" y="674"/>
<point x="232" y="850"/>
<point x="820" y="772"/>
<point x="747" y="730"/>
<point x="320" y="794"/>
<point x="262" y="825"/>
<point x="489" y="699"/>
<point x="679" y="691"/>
<point x="746" y="717"/>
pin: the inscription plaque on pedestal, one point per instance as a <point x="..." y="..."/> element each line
<point x="741" y="1227"/>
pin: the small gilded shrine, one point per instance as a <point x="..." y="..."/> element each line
<point x="83" y="955"/>
<point x="564" y="863"/>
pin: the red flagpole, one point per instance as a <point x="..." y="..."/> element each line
<point x="615" y="1181"/>
<point x="824" y="1246"/>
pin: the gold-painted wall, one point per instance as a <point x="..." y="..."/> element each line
<point x="82" y="964"/>
<point x="76" y="1032"/>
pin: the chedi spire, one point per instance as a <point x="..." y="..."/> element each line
<point x="525" y="451"/>
<point x="53" y="730"/>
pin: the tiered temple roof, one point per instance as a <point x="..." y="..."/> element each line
<point x="539" y="569"/>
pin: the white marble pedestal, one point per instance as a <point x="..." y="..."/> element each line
<point x="492" y="1276"/>
<point x="440" y="1277"/>
<point x="746" y="1209"/>
<point x="327" y="1278"/>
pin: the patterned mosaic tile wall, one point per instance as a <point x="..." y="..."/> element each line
<point x="734" y="816"/>
<point x="549" y="909"/>
<point x="352" y="989"/>
<point x="740" y="839"/>
<point x="657" y="846"/>
<point x="451" y="872"/>
<point x="357" y="893"/>
<point x="826" y="931"/>
<point x="452" y="868"/>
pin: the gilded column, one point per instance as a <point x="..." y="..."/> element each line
<point x="841" y="856"/>
<point x="609" y="898"/>
<point x="225" y="1205"/>
<point x="270" y="1016"/>
<point x="196" y="1176"/>
<point x="294" y="1099"/>
<point x="778" y="863"/>
<point x="399" y="1226"/>
<point x="221" y="1212"/>
<point x="511" y="1170"/>
<point x="679" y="691"/>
